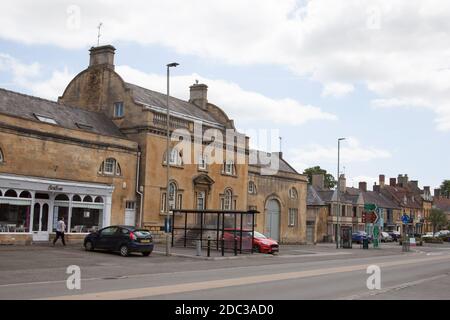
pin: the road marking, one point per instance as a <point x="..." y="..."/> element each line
<point x="215" y="284"/>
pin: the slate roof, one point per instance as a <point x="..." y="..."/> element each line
<point x="313" y="198"/>
<point x="442" y="203"/>
<point x="157" y="99"/>
<point x="26" y="107"/>
<point x="284" y="166"/>
<point x="379" y="199"/>
<point x="400" y="194"/>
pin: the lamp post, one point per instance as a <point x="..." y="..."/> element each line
<point x="168" y="231"/>
<point x="338" y="194"/>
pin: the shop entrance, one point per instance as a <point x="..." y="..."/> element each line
<point x="41" y="220"/>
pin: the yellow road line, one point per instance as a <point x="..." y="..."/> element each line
<point x="215" y="284"/>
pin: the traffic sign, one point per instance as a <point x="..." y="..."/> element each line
<point x="370" y="207"/>
<point x="405" y="218"/>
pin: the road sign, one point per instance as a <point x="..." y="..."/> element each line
<point x="405" y="218"/>
<point x="370" y="207"/>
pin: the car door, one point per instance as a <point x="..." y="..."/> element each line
<point x="106" y="238"/>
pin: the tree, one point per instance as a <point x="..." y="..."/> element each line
<point x="438" y="219"/>
<point x="329" y="181"/>
<point x="445" y="188"/>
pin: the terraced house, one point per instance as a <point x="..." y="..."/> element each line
<point x="98" y="157"/>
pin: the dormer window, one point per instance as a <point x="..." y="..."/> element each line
<point x="84" y="126"/>
<point x="118" y="110"/>
<point x="45" y="119"/>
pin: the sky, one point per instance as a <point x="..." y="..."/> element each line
<point x="376" y="72"/>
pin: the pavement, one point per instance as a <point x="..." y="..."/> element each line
<point x="297" y="272"/>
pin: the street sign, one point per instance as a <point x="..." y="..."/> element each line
<point x="370" y="207"/>
<point x="405" y="218"/>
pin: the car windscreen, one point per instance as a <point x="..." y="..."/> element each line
<point x="142" y="233"/>
<point x="258" y="235"/>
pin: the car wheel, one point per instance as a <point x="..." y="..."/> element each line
<point x="124" y="252"/>
<point x="146" y="254"/>
<point x="256" y="249"/>
<point x="89" y="246"/>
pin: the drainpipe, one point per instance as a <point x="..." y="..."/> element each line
<point x="137" y="188"/>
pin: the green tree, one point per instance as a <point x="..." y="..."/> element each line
<point x="438" y="219"/>
<point x="445" y="188"/>
<point x="329" y="181"/>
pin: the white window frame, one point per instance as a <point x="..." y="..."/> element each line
<point x="119" y="109"/>
<point x="1" y="156"/>
<point x="292" y="217"/>
<point x="251" y="187"/>
<point x="201" y="199"/>
<point x="229" y="167"/>
<point x="202" y="162"/>
<point x="45" y="119"/>
<point x="109" y="162"/>
<point x="227" y="203"/>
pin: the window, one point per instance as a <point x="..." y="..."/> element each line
<point x="293" y="193"/>
<point x="45" y="119"/>
<point x="355" y="212"/>
<point x="202" y="162"/>
<point x="14" y="218"/>
<point x="293" y="216"/>
<point x="228" y="167"/>
<point x="343" y="211"/>
<point x="227" y="199"/>
<point x="118" y="109"/>
<point x="175" y="158"/>
<point x="84" y="126"/>
<point x="251" y="187"/>
<point x="163" y="202"/>
<point x="110" y="167"/>
<point x="1" y="156"/>
<point x="180" y="201"/>
<point x="201" y="205"/>
<point x="175" y="198"/>
<point x="130" y="205"/>
<point x="109" y="231"/>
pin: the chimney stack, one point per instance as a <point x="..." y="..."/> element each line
<point x="342" y="183"/>
<point x="393" y="182"/>
<point x="376" y="188"/>
<point x="402" y="180"/>
<point x="381" y="179"/>
<point x="414" y="184"/>
<point x="363" y="186"/>
<point x="102" y="56"/>
<point x="437" y="193"/>
<point x="199" y="95"/>
<point x="426" y="190"/>
<point x="318" y="181"/>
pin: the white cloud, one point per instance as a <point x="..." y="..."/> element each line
<point x="20" y="72"/>
<point x="239" y="104"/>
<point x="54" y="87"/>
<point x="397" y="48"/>
<point x="352" y="151"/>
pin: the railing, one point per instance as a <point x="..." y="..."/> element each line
<point x="160" y="119"/>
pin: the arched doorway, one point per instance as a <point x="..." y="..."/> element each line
<point x="273" y="219"/>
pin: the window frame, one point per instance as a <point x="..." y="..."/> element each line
<point x="119" y="106"/>
<point x="292" y="217"/>
<point x="229" y="164"/>
<point x="45" y="119"/>
<point x="2" y="158"/>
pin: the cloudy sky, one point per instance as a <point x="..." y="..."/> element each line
<point x="376" y="72"/>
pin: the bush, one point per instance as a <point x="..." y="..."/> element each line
<point x="433" y="240"/>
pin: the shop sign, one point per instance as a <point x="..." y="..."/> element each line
<point x="55" y="187"/>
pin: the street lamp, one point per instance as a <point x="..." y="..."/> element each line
<point x="338" y="198"/>
<point x="170" y="65"/>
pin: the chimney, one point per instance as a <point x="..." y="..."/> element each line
<point x="102" y="56"/>
<point x="199" y="95"/>
<point x="376" y="188"/>
<point x="318" y="181"/>
<point x="381" y="180"/>
<point x="414" y="184"/>
<point x="363" y="186"/>
<point x="437" y="193"/>
<point x="393" y="182"/>
<point x="426" y="190"/>
<point x="402" y="180"/>
<point x="342" y="183"/>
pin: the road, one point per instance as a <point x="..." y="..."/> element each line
<point x="297" y="273"/>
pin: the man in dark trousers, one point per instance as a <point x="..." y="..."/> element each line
<point x="60" y="229"/>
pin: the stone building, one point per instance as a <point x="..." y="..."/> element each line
<point x="97" y="157"/>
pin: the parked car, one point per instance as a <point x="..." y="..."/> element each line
<point x="395" y="235"/>
<point x="443" y="233"/>
<point x="359" y="237"/>
<point x="261" y="243"/>
<point x="124" y="239"/>
<point x="428" y="235"/>
<point x="385" y="237"/>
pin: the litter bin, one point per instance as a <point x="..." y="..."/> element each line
<point x="365" y="243"/>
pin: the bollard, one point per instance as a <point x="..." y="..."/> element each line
<point x="199" y="248"/>
<point x="209" y="246"/>
<point x="168" y="253"/>
<point x="223" y="246"/>
<point x="235" y="246"/>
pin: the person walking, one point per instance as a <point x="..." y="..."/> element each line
<point x="60" y="229"/>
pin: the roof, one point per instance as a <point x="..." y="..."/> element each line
<point x="283" y="165"/>
<point x="156" y="99"/>
<point x="442" y="203"/>
<point x="401" y="194"/>
<point x="313" y="198"/>
<point x="27" y="107"/>
<point x="379" y="199"/>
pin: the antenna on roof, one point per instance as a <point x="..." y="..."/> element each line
<point x="98" y="34"/>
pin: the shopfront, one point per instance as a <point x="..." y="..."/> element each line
<point x="30" y="207"/>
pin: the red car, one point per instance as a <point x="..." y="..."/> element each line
<point x="261" y="243"/>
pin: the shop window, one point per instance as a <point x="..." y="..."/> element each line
<point x="1" y="193"/>
<point x="76" y="198"/>
<point x="14" y="218"/>
<point x="99" y="199"/>
<point x="25" y="194"/>
<point x="11" y="194"/>
<point x="87" y="199"/>
<point x="293" y="194"/>
<point x="62" y="197"/>
<point x="110" y="167"/>
<point x="85" y="220"/>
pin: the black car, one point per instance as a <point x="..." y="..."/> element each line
<point x="124" y="239"/>
<point x="396" y="236"/>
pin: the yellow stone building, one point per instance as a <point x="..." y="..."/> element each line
<point x="97" y="157"/>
